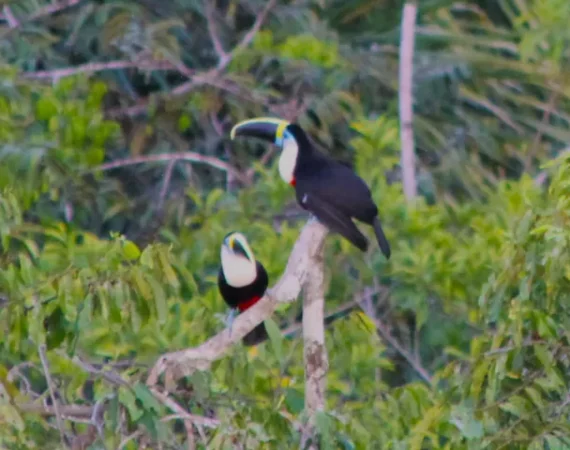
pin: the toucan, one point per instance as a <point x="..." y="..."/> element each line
<point x="242" y="281"/>
<point x="327" y="188"/>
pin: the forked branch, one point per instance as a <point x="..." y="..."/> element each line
<point x="304" y="257"/>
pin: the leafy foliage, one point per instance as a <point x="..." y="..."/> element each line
<point x="110" y="253"/>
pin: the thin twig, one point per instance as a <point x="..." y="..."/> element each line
<point x="165" y="184"/>
<point x="99" y="67"/>
<point x="383" y="331"/>
<point x="129" y="438"/>
<point x="9" y="16"/>
<point x="189" y="420"/>
<point x="52" y="8"/>
<point x="109" y="375"/>
<point x="71" y="411"/>
<point x="249" y="36"/>
<point x="45" y="365"/>
<point x="168" y="157"/>
<point x="538" y="137"/>
<point x="212" y="29"/>
<point x="48" y="10"/>
<point x="344" y="308"/>
<point x="208" y="77"/>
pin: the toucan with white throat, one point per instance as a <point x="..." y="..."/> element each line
<point x="242" y="280"/>
<point x="329" y="189"/>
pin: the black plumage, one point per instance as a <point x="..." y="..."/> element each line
<point x="242" y="298"/>
<point x="334" y="193"/>
<point x="329" y="189"/>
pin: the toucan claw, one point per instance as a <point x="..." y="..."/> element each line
<point x="230" y="319"/>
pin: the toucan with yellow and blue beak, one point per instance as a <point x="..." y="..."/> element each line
<point x="329" y="189"/>
<point x="242" y="281"/>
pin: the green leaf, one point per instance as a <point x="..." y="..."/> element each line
<point x="128" y="399"/>
<point x="46" y="108"/>
<point x="130" y="250"/>
<point x="275" y="337"/>
<point x="294" y="400"/>
<point x="148" y="400"/>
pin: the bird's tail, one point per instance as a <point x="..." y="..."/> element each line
<point x="381" y="237"/>
<point x="256" y="336"/>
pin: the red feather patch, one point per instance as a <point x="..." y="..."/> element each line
<point x="249" y="303"/>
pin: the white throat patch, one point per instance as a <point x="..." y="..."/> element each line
<point x="288" y="159"/>
<point x="238" y="270"/>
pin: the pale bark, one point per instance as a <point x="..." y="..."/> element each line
<point x="406" y="100"/>
<point x="305" y="255"/>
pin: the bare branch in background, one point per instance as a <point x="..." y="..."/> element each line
<point x="200" y="79"/>
<point x="539" y="133"/>
<point x="169" y="157"/>
<point x="303" y="256"/>
<point x="212" y="29"/>
<point x="383" y="330"/>
<point x="66" y="411"/>
<point x="249" y="36"/>
<point x="406" y="100"/>
<point x="190" y="420"/>
<point x="55" y="74"/>
<point x="48" y="10"/>
<point x="9" y="16"/>
<point x="165" y="184"/>
<point x="51" y="387"/>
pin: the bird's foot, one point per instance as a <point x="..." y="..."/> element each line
<point x="230" y="318"/>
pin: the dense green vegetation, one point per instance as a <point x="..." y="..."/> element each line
<point x="118" y="182"/>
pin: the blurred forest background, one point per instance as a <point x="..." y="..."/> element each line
<point x="118" y="182"/>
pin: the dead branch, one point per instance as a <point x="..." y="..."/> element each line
<point x="384" y="332"/>
<point x="303" y="256"/>
<point x="212" y="29"/>
<point x="169" y="157"/>
<point x="9" y="17"/>
<point x="406" y="100"/>
<point x="248" y="37"/>
<point x="48" y="10"/>
<point x="165" y="184"/>
<point x="200" y="79"/>
<point x="51" y="387"/>
<point x="94" y="67"/>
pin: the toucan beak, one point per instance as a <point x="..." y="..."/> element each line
<point x="235" y="246"/>
<point x="266" y="128"/>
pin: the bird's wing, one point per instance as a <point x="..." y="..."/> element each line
<point x="334" y="219"/>
<point x="341" y="187"/>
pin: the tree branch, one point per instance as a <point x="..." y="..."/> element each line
<point x="73" y="411"/>
<point x="99" y="67"/>
<point x="216" y="41"/>
<point x="249" y="36"/>
<point x="406" y="100"/>
<point x="9" y="17"/>
<point x="207" y="77"/>
<point x="48" y="10"/>
<point x="382" y="329"/>
<point x="49" y="381"/>
<point x="169" y="157"/>
<point x="315" y="352"/>
<point x="304" y="255"/>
